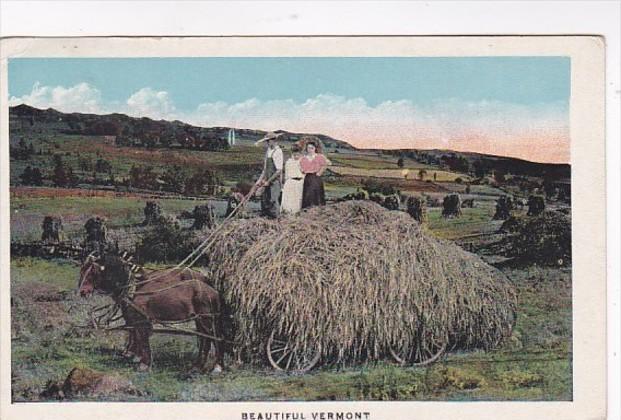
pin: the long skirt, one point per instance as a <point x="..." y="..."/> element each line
<point x="314" y="194"/>
<point x="291" y="202"/>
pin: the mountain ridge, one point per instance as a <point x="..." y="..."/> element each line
<point x="150" y="133"/>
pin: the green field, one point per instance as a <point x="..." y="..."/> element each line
<point x="28" y="213"/>
<point x="48" y="318"/>
<point x="534" y="364"/>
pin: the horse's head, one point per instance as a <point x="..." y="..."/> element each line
<point x="91" y="274"/>
<point x="108" y="274"/>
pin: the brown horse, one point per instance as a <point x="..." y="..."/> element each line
<point x="157" y="296"/>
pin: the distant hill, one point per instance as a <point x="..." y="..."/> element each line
<point x="140" y="132"/>
<point x="149" y="133"/>
<point x="473" y="162"/>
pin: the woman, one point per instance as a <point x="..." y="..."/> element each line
<point x="313" y="165"/>
<point x="294" y="183"/>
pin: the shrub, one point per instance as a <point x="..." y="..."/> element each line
<point x="165" y="241"/>
<point x="379" y="187"/>
<point x="544" y="239"/>
<point x="32" y="176"/>
<point x="520" y="379"/>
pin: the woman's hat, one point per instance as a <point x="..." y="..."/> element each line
<point x="269" y="136"/>
<point x="306" y="140"/>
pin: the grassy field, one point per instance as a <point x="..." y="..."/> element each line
<point x="28" y="213"/>
<point x="440" y="176"/>
<point x="48" y="338"/>
<point x="534" y="364"/>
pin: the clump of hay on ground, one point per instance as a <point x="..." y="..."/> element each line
<point x="451" y="206"/>
<point x="536" y="205"/>
<point x="544" y="239"/>
<point x="357" y="280"/>
<point x="416" y="208"/>
<point x="504" y="206"/>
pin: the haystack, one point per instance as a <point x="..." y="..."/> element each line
<point x="357" y="280"/>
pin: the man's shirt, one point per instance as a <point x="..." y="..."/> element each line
<point x="276" y="155"/>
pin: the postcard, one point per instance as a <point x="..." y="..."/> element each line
<point x="303" y="228"/>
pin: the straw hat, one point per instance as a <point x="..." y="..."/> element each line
<point x="269" y="136"/>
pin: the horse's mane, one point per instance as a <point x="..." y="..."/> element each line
<point x="116" y="270"/>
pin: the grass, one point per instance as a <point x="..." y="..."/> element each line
<point x="534" y="364"/>
<point x="374" y="162"/>
<point x="472" y="221"/>
<point x="27" y="213"/>
<point x="440" y="176"/>
<point x="72" y="148"/>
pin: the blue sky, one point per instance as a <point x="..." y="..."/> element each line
<point x="191" y="81"/>
<point x="453" y="102"/>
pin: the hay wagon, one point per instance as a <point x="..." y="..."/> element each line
<point x="353" y="282"/>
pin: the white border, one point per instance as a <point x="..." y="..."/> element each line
<point x="72" y="18"/>
<point x="588" y="160"/>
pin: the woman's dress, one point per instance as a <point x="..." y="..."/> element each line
<point x="313" y="194"/>
<point x="293" y="188"/>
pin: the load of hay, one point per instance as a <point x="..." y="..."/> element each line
<point x="357" y="280"/>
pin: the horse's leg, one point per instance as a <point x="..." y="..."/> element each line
<point x="144" y="351"/>
<point x="204" y="344"/>
<point x="130" y="349"/>
<point x="217" y="331"/>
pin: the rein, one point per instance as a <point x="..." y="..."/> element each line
<point x="200" y="250"/>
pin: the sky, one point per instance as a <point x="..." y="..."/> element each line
<point x="511" y="106"/>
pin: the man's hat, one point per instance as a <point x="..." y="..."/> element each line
<point x="269" y="136"/>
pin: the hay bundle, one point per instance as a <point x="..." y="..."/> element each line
<point x="203" y="217"/>
<point x="504" y="206"/>
<point x="152" y="213"/>
<point x="96" y="238"/>
<point x="416" y="208"/>
<point x="52" y="229"/>
<point x="451" y="206"/>
<point x="356" y="279"/>
<point x="536" y="205"/>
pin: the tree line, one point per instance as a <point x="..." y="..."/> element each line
<point x="174" y="178"/>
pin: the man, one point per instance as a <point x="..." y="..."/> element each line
<point x="271" y="177"/>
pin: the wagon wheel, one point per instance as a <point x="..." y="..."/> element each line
<point x="419" y="356"/>
<point x="285" y="358"/>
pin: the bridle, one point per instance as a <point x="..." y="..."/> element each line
<point x="90" y="260"/>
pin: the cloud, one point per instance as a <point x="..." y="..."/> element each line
<point x="79" y="98"/>
<point x="535" y="132"/>
<point x="151" y="103"/>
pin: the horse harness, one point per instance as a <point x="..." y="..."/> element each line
<point x="127" y="297"/>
